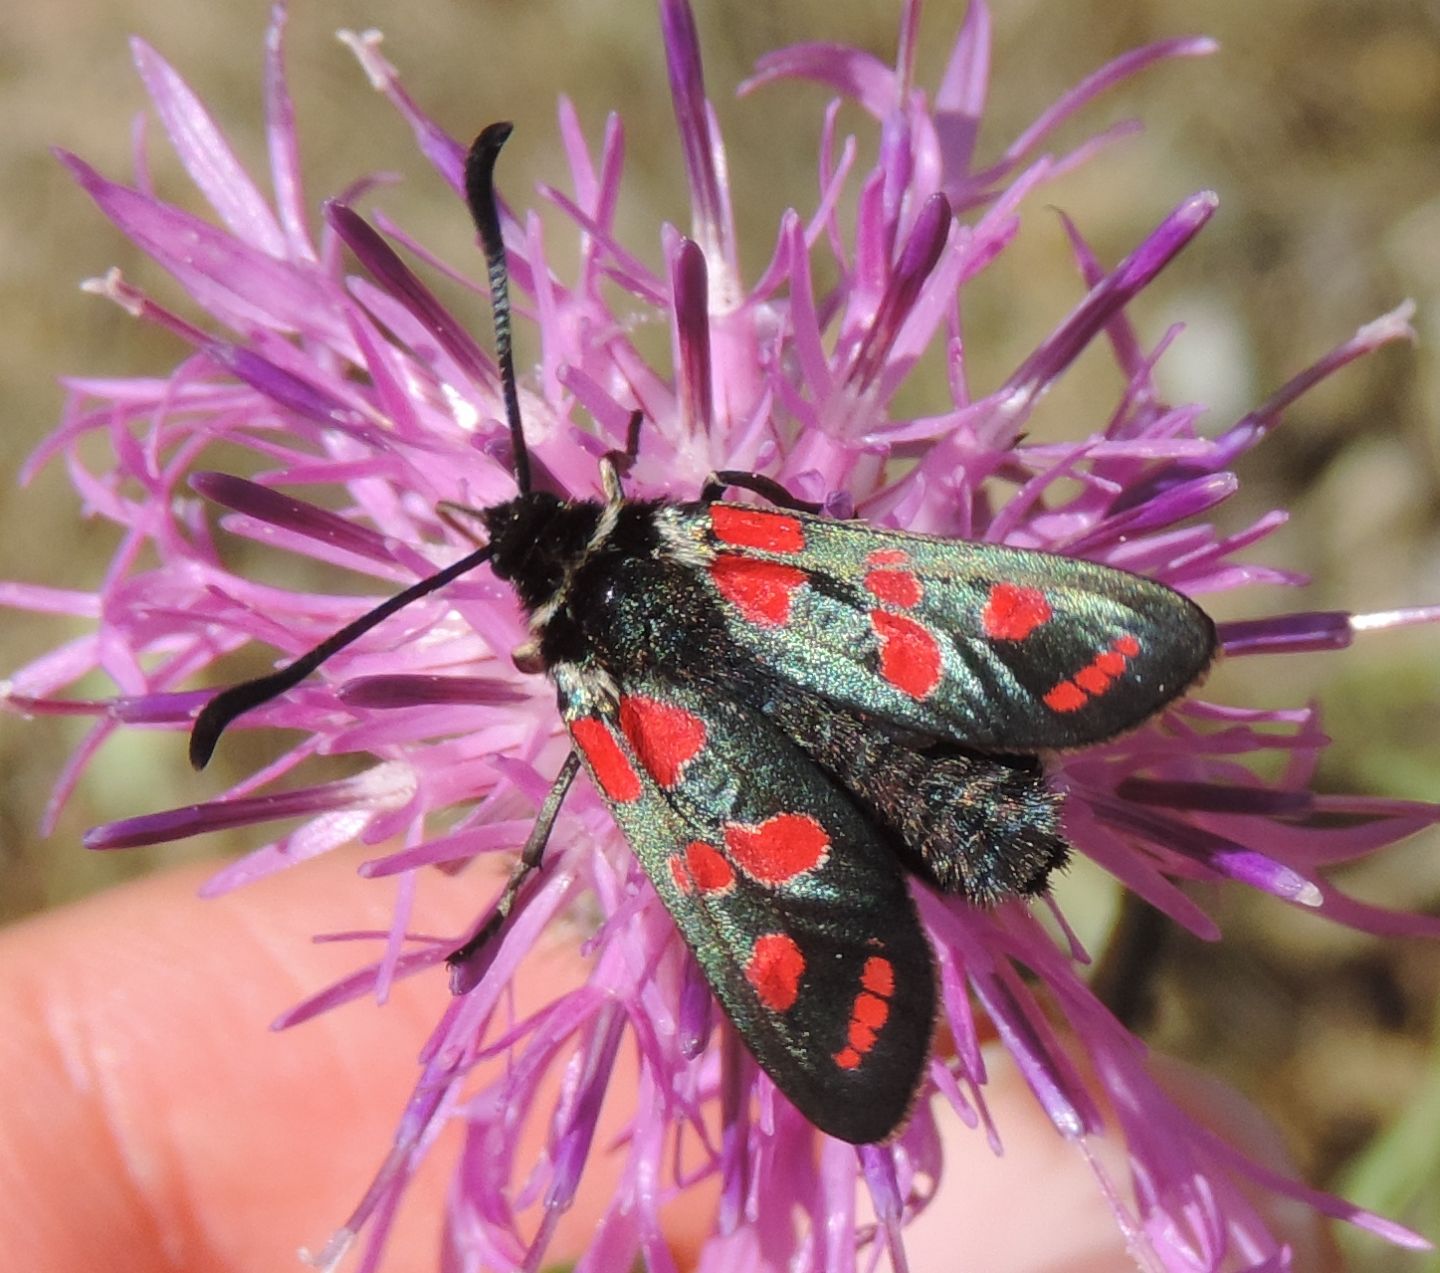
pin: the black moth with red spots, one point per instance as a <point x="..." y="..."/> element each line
<point x="788" y="715"/>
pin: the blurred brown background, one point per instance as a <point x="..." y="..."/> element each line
<point x="1319" y="125"/>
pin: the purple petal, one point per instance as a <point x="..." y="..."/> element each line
<point x="458" y="846"/>
<point x="390" y="691"/>
<point x="696" y="1011"/>
<point x="704" y="159"/>
<point x="161" y="708"/>
<point x="392" y="274"/>
<point x="1387" y="329"/>
<point x="622" y="265"/>
<point x="1094" y="84"/>
<point x="444" y="152"/>
<point x="29" y="705"/>
<point x="878" y="1164"/>
<point x="241" y="286"/>
<point x="305" y="398"/>
<point x="283" y="140"/>
<point x="1287" y="633"/>
<point x="960" y="97"/>
<point x="851" y="72"/>
<point x="1381" y="920"/>
<point x="576" y="1138"/>
<point x="356" y="985"/>
<point x="218" y="815"/>
<point x="43" y="600"/>
<point x="1036" y="1061"/>
<point x="1215" y="852"/>
<point x="1120" y="330"/>
<point x="1210" y="797"/>
<point x="275" y="509"/>
<point x="1106" y="300"/>
<point x="207" y="155"/>
<point x="690" y="289"/>
<point x="1175" y="504"/>
<point x="917" y="259"/>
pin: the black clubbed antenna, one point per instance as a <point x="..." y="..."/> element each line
<point x="221" y="710"/>
<point x="480" y="195"/>
<point x="239" y="699"/>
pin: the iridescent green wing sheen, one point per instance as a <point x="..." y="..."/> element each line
<point x="994" y="648"/>
<point x="793" y="905"/>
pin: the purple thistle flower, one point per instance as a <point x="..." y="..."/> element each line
<point x="366" y="388"/>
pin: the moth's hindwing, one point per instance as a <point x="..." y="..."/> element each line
<point x="797" y="912"/>
<point x="985" y="827"/>
<point x="995" y="648"/>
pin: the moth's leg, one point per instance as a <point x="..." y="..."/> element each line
<point x="465" y="965"/>
<point x="610" y="478"/>
<point x="450" y="512"/>
<point x="716" y="483"/>
<point x="617" y="464"/>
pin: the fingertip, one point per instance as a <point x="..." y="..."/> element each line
<point x="156" y="1121"/>
<point x="153" y="1120"/>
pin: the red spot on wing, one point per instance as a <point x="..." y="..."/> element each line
<point x="775" y="967"/>
<point x="680" y="874"/>
<point x="702" y="866"/>
<point x="888" y="557"/>
<point x="879" y="976"/>
<point x="664" y="737"/>
<point x="894" y="587"/>
<point x="1066" y="697"/>
<point x="1012" y="613"/>
<point x="909" y="654"/>
<point x="607" y="762"/>
<point x="1094" y="679"/>
<point x="860" y="1036"/>
<point x="1111" y="663"/>
<point x="757" y="528"/>
<point x="761" y="590"/>
<point x="779" y="849"/>
<point x="869" y="1011"/>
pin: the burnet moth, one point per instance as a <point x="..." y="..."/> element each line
<point x="788" y="715"/>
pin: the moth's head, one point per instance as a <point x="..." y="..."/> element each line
<point x="535" y="540"/>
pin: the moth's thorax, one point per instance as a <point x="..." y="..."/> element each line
<point x="579" y="566"/>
